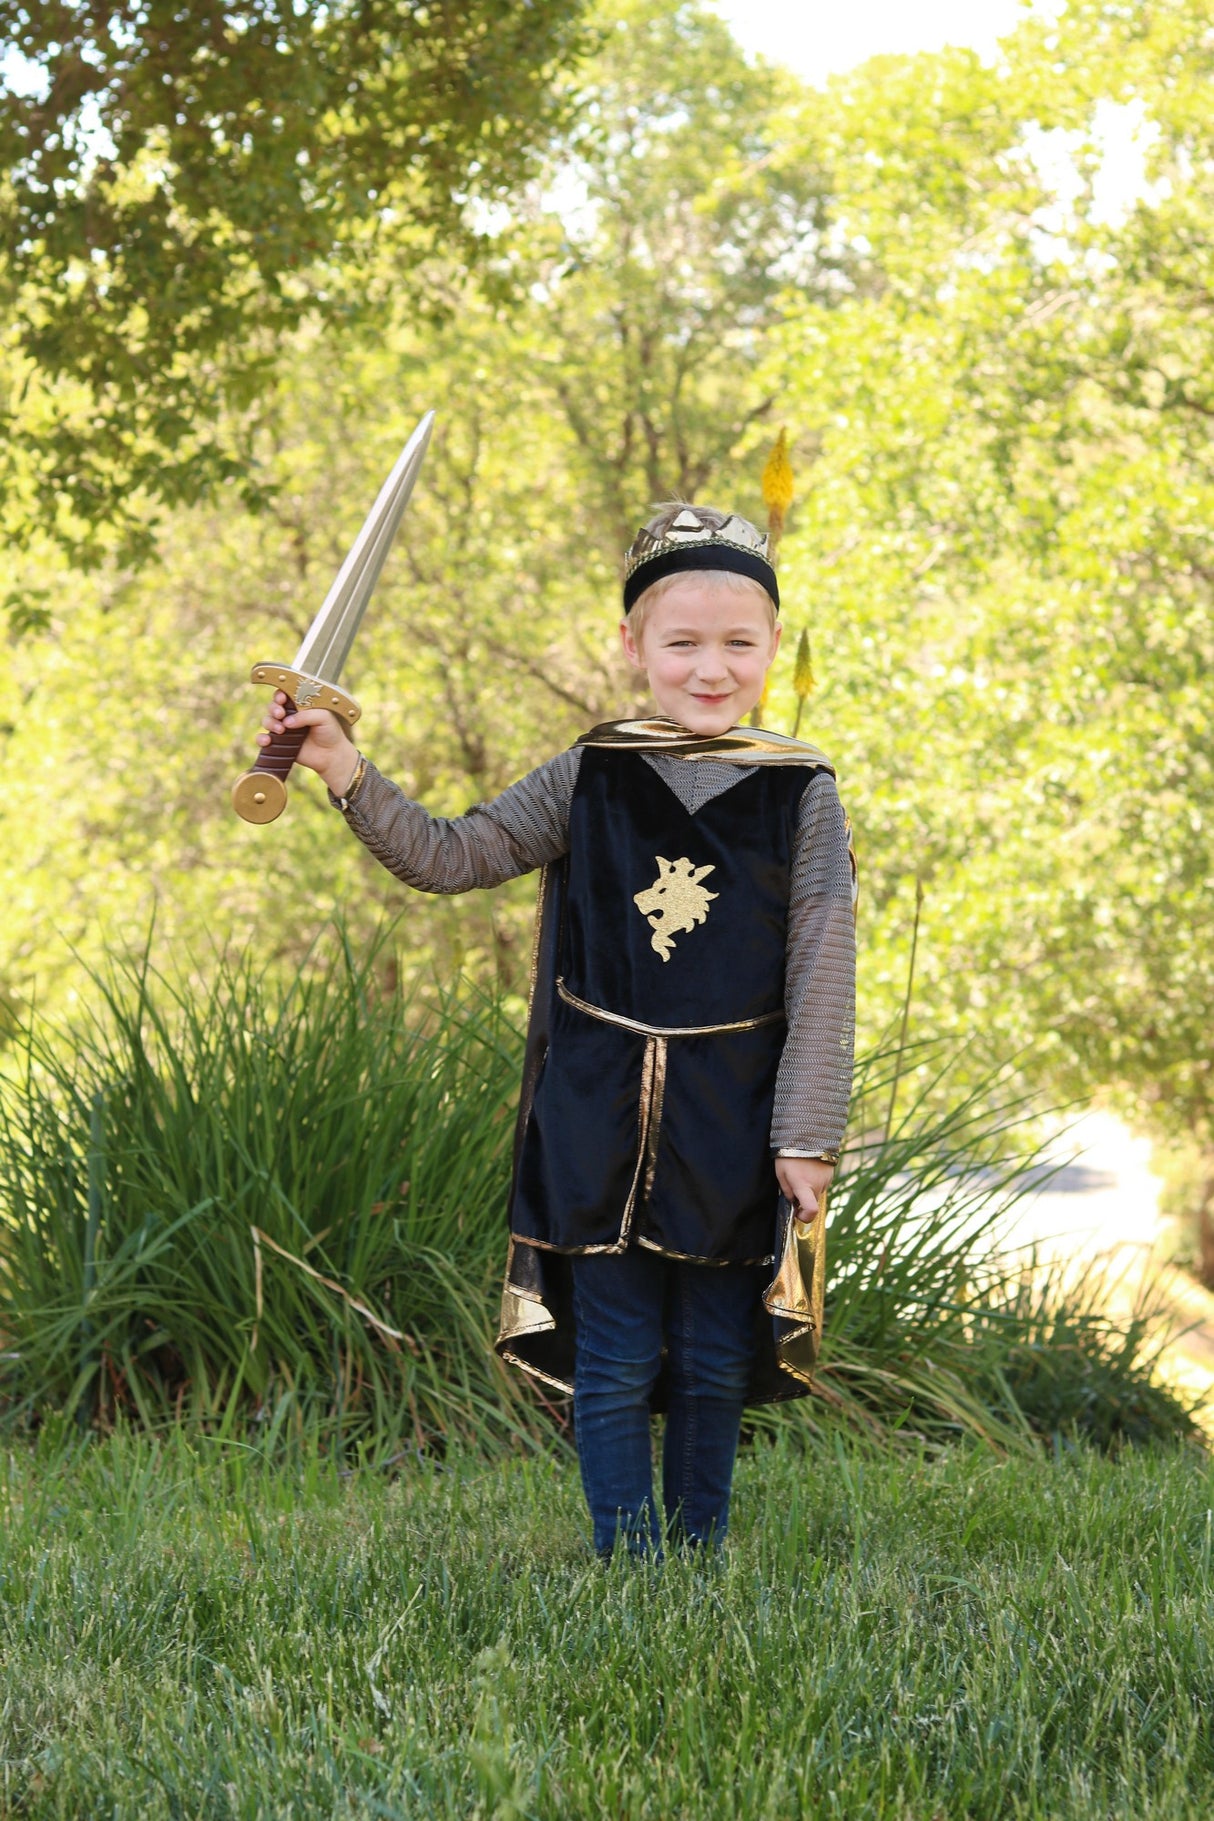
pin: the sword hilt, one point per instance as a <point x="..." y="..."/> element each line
<point x="260" y="795"/>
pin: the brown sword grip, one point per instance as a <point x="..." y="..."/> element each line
<point x="260" y="795"/>
<point x="280" y="755"/>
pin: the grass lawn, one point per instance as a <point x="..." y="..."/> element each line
<point x="186" y="1632"/>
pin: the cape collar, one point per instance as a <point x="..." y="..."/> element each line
<point x="740" y="746"/>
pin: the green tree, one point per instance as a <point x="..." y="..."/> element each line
<point x="659" y="288"/>
<point x="1005" y="546"/>
<point x="492" y="637"/>
<point x="185" y="185"/>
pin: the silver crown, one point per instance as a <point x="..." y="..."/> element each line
<point x="689" y="530"/>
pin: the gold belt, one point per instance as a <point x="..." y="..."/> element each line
<point x="653" y="1089"/>
<point x="663" y="1030"/>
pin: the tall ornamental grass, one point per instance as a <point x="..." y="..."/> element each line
<point x="260" y="1201"/>
<point x="277" y="1205"/>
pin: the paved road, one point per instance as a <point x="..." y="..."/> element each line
<point x="1103" y="1198"/>
<point x="1101" y="1209"/>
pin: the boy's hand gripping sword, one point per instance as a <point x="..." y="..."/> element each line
<point x="310" y="680"/>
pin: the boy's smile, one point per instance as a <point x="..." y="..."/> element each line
<point x="706" y="650"/>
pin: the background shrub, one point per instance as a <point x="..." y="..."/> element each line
<point x="278" y="1203"/>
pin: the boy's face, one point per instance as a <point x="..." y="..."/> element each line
<point x="706" y="651"/>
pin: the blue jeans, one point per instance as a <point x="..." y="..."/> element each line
<point x="628" y="1308"/>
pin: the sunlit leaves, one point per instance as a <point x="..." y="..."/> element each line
<point x="1003" y="548"/>
<point x="185" y="185"/>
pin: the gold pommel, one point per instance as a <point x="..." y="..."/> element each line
<point x="307" y="692"/>
<point x="259" y="796"/>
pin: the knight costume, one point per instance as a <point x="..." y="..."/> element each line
<point x="692" y="993"/>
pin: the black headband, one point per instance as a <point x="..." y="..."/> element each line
<point x="727" y="558"/>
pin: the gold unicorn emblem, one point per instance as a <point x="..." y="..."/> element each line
<point x="675" y="902"/>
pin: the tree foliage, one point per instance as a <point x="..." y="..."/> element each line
<point x="186" y="184"/>
<point x="997" y="394"/>
<point x="585" y="385"/>
<point x="659" y="288"/>
<point x="1005" y="540"/>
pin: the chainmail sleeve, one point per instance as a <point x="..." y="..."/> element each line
<point x="813" y="1086"/>
<point x="524" y="828"/>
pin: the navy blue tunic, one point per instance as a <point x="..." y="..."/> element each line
<point x="651" y="1111"/>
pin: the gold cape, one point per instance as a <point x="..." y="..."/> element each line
<point x="740" y="746"/>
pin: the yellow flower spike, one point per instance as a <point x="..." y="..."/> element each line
<point x="804" y="681"/>
<point x="778" y="487"/>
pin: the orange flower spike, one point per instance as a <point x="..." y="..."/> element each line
<point x="760" y="707"/>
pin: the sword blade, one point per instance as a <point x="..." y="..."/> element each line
<point x="327" y="642"/>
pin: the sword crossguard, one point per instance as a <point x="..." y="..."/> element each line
<point x="260" y="795"/>
<point x="306" y="691"/>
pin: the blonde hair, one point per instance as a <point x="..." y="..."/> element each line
<point x="723" y="581"/>
<point x="720" y="581"/>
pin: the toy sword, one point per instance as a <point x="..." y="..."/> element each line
<point x="310" y="680"/>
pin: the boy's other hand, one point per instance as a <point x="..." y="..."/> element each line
<point x="326" y="751"/>
<point x="803" y="1180"/>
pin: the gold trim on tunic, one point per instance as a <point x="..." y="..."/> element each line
<point x="545" y="1378"/>
<point x="694" y="1258"/>
<point x="644" y="1123"/>
<point x="616" y="1249"/>
<point x="537" y="936"/>
<point x="657" y="1096"/>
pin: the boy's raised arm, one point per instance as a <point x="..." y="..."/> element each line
<point x="524" y="828"/>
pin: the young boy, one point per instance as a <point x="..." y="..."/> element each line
<point x="689" y="1053"/>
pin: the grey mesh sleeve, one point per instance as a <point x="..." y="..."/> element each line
<point x="813" y="1086"/>
<point x="525" y="827"/>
